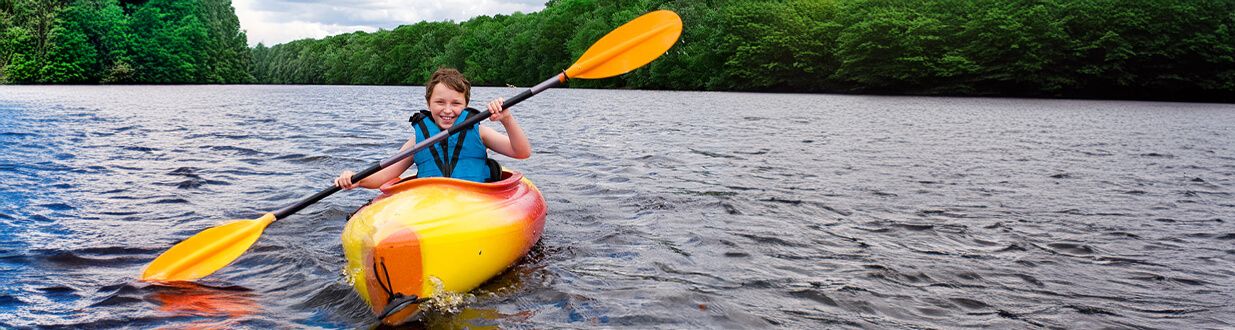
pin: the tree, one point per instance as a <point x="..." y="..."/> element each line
<point x="70" y="57"/>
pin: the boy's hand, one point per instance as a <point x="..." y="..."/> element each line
<point x="345" y="180"/>
<point x="499" y="114"/>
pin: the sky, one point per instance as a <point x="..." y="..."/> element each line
<point x="274" y="22"/>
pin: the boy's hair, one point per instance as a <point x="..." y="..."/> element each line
<point x="453" y="79"/>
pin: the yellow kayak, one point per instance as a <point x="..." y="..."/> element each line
<point x="425" y="235"/>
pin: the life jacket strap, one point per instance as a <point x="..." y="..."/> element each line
<point x="447" y="166"/>
<point x="454" y="158"/>
<point x="419" y="120"/>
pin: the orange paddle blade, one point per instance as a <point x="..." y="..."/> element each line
<point x="206" y="252"/>
<point x="629" y="47"/>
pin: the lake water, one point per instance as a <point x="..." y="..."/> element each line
<point x="666" y="209"/>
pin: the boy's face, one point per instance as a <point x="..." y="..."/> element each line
<point x="446" y="105"/>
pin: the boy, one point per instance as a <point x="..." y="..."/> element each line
<point x="464" y="155"/>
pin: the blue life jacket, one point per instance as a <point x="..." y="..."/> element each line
<point x="462" y="155"/>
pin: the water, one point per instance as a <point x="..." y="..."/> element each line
<point x="666" y="209"/>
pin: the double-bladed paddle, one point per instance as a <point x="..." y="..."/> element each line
<point x="626" y="48"/>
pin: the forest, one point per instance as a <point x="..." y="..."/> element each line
<point x="122" y="41"/>
<point x="1126" y="49"/>
<point x="1133" y="49"/>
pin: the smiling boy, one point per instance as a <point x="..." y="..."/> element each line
<point x="464" y="155"/>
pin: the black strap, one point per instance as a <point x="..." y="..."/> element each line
<point x="418" y="116"/>
<point x="418" y="120"/>
<point x="454" y="159"/>
<point x="395" y="301"/>
<point x="388" y="288"/>
<point x="495" y="170"/>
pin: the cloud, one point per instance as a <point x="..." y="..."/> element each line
<point x="278" y="21"/>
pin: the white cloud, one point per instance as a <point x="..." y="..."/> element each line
<point x="277" y="21"/>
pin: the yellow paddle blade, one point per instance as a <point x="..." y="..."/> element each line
<point x="206" y="252"/>
<point x="629" y="47"/>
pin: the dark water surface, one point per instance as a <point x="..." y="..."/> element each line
<point x="666" y="209"/>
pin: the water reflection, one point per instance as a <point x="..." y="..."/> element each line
<point x="192" y="299"/>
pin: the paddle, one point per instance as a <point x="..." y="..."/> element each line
<point x="626" y="48"/>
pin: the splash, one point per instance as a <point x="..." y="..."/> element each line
<point x="443" y="301"/>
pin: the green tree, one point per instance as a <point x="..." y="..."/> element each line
<point x="227" y="56"/>
<point x="70" y="57"/>
<point x="20" y="59"/>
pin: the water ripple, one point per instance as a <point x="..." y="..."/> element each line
<point x="848" y="211"/>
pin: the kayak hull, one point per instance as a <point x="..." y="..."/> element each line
<point x="427" y="236"/>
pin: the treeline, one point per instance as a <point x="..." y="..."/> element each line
<point x="1159" y="49"/>
<point x="122" y="41"/>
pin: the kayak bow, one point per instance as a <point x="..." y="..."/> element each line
<point x="425" y="236"/>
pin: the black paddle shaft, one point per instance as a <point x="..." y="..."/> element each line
<point x="557" y="80"/>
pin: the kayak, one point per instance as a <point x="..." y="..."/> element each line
<point x="430" y="236"/>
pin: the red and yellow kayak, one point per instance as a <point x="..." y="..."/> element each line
<point x="425" y="235"/>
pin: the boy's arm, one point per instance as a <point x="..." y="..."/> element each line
<point x="390" y="173"/>
<point x="514" y="146"/>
